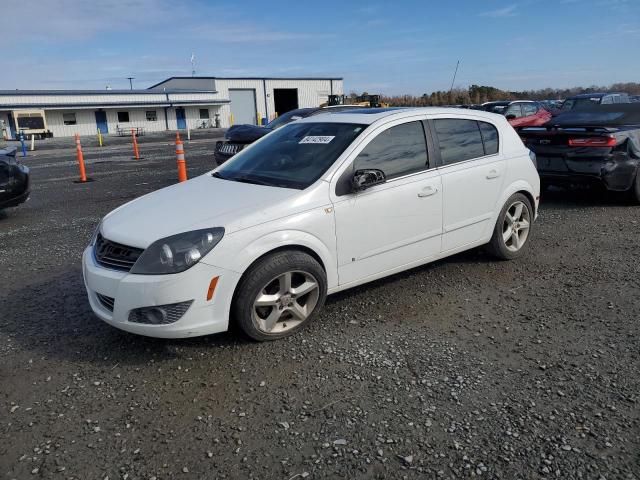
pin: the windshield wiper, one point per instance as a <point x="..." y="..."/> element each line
<point x="217" y="175"/>
<point x="248" y="179"/>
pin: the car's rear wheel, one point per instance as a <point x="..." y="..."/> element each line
<point x="279" y="295"/>
<point x="513" y="228"/>
<point x="635" y="189"/>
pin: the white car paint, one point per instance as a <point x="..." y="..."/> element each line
<point x="359" y="237"/>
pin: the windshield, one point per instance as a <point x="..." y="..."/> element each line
<point x="288" y="117"/>
<point x="294" y="156"/>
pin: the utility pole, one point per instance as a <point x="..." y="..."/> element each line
<point x="130" y="82"/>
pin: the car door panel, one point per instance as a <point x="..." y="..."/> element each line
<point x="389" y="225"/>
<point x="470" y="194"/>
<point x="394" y="223"/>
<point x="472" y="177"/>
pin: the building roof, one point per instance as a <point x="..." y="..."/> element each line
<point x="244" y="78"/>
<point x="99" y="92"/>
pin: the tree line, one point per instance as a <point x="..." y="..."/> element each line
<point x="477" y="94"/>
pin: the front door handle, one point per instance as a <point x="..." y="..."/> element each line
<point x="428" y="191"/>
<point x="493" y="174"/>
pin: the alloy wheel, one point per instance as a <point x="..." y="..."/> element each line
<point x="285" y="302"/>
<point x="515" y="229"/>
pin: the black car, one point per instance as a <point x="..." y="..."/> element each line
<point x="239" y="136"/>
<point x="600" y="145"/>
<point x="586" y="100"/>
<point x="14" y="179"/>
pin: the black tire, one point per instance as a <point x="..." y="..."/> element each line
<point x="497" y="246"/>
<point x="260" y="275"/>
<point x="634" y="192"/>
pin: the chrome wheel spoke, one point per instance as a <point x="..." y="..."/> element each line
<point x="305" y="288"/>
<point x="266" y="300"/>
<point x="299" y="311"/>
<point x="517" y="215"/>
<point x="270" y="322"/>
<point x="524" y="225"/>
<point x="515" y="240"/>
<point x="509" y="219"/>
<point x="285" y="282"/>
<point x="506" y="235"/>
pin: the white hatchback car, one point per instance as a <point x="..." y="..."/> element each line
<point x="318" y="206"/>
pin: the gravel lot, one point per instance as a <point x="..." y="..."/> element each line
<point x="464" y="368"/>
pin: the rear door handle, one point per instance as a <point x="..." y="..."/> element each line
<point x="493" y="174"/>
<point x="428" y="191"/>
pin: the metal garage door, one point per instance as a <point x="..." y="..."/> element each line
<point x="243" y="106"/>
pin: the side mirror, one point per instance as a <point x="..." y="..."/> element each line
<point x="511" y="116"/>
<point x="363" y="179"/>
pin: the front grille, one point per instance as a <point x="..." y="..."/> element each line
<point x="160" y="315"/>
<point x="106" y="302"/>
<point x="229" y="148"/>
<point x="114" y="255"/>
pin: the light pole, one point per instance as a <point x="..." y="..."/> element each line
<point x="130" y="82"/>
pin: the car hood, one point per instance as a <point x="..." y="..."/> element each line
<point x="202" y="202"/>
<point x="246" y="133"/>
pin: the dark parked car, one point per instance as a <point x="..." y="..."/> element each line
<point x="600" y="145"/>
<point x="587" y="100"/>
<point x="14" y="179"/>
<point x="239" y="136"/>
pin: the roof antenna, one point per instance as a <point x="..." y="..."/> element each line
<point x="454" y="78"/>
<point x="193" y="65"/>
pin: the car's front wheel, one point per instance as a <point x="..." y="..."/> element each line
<point x="513" y="228"/>
<point x="279" y="295"/>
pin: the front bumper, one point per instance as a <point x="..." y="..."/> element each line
<point x="135" y="291"/>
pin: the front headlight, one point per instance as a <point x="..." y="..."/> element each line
<point x="177" y="253"/>
<point x="94" y="237"/>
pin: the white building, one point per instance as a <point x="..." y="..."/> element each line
<point x="256" y="98"/>
<point x="177" y="103"/>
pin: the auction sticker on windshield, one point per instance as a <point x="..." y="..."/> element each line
<point x="321" y="139"/>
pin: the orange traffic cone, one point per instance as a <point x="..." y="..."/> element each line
<point x="182" y="164"/>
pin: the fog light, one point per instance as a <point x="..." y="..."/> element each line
<point x="160" y="314"/>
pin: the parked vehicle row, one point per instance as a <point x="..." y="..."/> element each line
<point x="317" y="206"/>
<point x="14" y="179"/>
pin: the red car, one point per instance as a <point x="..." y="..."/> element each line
<point x="521" y="113"/>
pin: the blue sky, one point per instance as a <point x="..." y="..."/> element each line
<point x="381" y="47"/>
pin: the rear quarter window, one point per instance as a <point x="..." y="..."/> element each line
<point x="489" y="138"/>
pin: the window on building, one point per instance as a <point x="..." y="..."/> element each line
<point x="152" y="116"/>
<point x="489" y="138"/>
<point x="69" y="118"/>
<point x="459" y="140"/>
<point x="398" y="151"/>
<point x="123" y="117"/>
<point x="204" y="113"/>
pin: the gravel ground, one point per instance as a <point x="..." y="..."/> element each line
<point x="464" y="368"/>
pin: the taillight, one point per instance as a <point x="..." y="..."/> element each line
<point x="593" y="142"/>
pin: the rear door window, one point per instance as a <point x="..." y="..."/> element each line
<point x="459" y="140"/>
<point x="397" y="151"/>
<point x="529" y="109"/>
